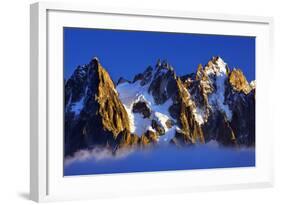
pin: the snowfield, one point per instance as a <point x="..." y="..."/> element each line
<point x="131" y="93"/>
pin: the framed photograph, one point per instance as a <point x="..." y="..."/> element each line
<point x="128" y="101"/>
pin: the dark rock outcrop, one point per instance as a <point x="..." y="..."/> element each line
<point x="152" y="137"/>
<point x="170" y="123"/>
<point x="142" y="107"/>
<point x="158" y="127"/>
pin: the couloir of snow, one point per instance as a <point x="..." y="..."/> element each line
<point x="216" y="99"/>
<point x="198" y="113"/>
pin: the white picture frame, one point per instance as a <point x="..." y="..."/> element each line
<point x="46" y="23"/>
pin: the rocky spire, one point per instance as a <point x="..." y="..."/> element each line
<point x="216" y="66"/>
<point x="184" y="110"/>
<point x="122" y="80"/>
<point x="102" y="117"/>
<point x="238" y="81"/>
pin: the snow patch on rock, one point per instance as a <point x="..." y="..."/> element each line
<point x="78" y="106"/>
<point x="253" y="84"/>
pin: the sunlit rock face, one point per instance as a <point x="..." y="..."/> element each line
<point x="158" y="107"/>
<point x="239" y="82"/>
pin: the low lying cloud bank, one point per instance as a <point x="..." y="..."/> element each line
<point x="96" y="154"/>
<point x="102" y="161"/>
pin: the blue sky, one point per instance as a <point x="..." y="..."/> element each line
<point x="126" y="53"/>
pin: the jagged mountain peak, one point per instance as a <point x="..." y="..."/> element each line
<point x="122" y="80"/>
<point x="93" y="64"/>
<point x="158" y="63"/>
<point x="144" y="77"/>
<point x="163" y="65"/>
<point x="95" y="59"/>
<point x="163" y="83"/>
<point x="149" y="74"/>
<point x="216" y="66"/>
<point x="92" y="68"/>
<point x="200" y="73"/>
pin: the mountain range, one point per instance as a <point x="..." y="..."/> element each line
<point x="157" y="108"/>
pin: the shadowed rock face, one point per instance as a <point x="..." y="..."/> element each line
<point x="163" y="84"/>
<point x="144" y="77"/>
<point x="214" y="103"/>
<point x="218" y="128"/>
<point x="243" y="117"/>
